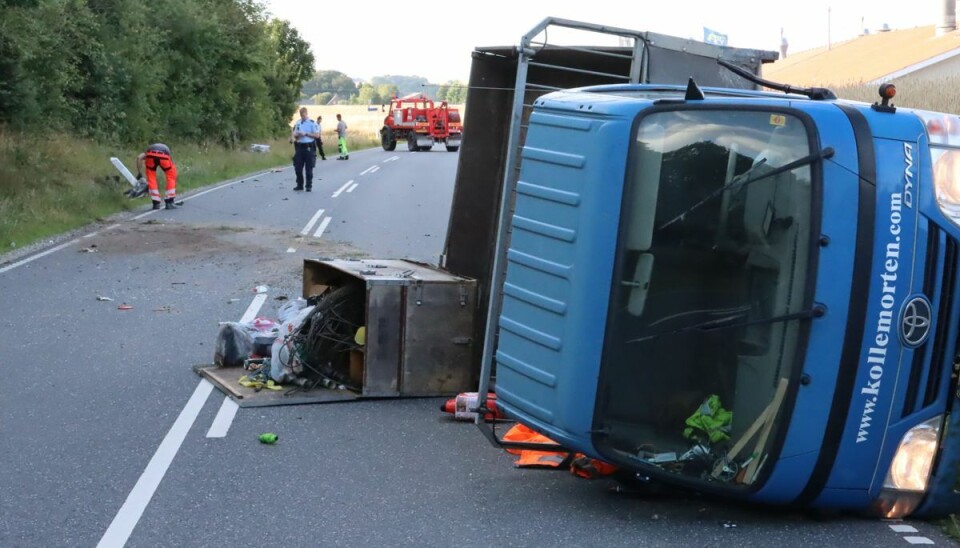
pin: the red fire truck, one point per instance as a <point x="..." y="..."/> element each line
<point x="417" y="120"/>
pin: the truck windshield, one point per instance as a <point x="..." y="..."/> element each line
<point x="704" y="327"/>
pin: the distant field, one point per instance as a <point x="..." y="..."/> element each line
<point x="360" y="121"/>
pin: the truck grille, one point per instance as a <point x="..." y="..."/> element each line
<point x="929" y="361"/>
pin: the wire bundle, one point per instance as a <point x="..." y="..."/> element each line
<point x="325" y="338"/>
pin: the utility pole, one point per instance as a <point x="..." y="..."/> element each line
<point x="829" y="25"/>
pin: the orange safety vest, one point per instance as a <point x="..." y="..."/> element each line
<point x="579" y="464"/>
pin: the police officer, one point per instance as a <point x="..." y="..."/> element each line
<point x="305" y="136"/>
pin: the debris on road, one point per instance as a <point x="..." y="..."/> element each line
<point x="261" y="289"/>
<point x="124" y="307"/>
<point x="164" y="308"/>
<point x="102" y="298"/>
<point x="269" y="438"/>
<point x="92" y="248"/>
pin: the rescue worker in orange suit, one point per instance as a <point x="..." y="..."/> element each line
<point x="158" y="155"/>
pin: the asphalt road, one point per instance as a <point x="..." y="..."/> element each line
<point x="109" y="437"/>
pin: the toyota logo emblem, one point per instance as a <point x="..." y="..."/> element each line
<point x="915" y="321"/>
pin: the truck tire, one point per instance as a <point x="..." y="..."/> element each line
<point x="387" y="139"/>
<point x="412" y="141"/>
<point x="453" y="149"/>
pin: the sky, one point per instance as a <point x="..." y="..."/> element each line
<point x="434" y="40"/>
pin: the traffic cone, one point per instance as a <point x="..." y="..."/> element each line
<point x="461" y="406"/>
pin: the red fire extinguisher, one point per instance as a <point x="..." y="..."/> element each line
<point x="462" y="407"/>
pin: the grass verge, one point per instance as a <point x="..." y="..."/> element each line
<point x="52" y="185"/>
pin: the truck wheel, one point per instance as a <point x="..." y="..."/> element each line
<point x="452" y="149"/>
<point x="412" y="141"/>
<point x="387" y="140"/>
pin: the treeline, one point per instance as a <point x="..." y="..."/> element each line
<point x="331" y="86"/>
<point x="130" y="71"/>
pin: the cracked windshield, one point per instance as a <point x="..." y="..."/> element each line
<point x="705" y="325"/>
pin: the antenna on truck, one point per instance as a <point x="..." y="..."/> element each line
<point x="817" y="94"/>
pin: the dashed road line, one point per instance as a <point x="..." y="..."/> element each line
<point x="341" y="189"/>
<point x="322" y="227"/>
<point x="38" y="255"/>
<point x="353" y="187"/>
<point x="391" y="159"/>
<point x="132" y="510"/>
<point x="221" y="424"/>
<point x="918" y="540"/>
<point x="313" y="221"/>
<point x="370" y="169"/>
<point x="901" y="528"/>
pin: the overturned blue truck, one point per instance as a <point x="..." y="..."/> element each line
<point x="714" y="281"/>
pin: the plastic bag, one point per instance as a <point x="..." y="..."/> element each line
<point x="234" y="344"/>
<point x="283" y="364"/>
<point x="291" y="309"/>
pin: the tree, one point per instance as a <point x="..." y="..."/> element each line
<point x="453" y="92"/>
<point x="368" y="95"/>
<point x="405" y="85"/>
<point x="294" y="66"/>
<point x="330" y="82"/>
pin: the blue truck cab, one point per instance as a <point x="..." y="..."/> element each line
<point x="747" y="293"/>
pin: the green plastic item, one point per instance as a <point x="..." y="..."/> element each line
<point x="269" y="438"/>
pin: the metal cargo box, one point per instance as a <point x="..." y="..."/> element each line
<point x="419" y="325"/>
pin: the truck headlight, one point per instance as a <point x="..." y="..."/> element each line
<point x="946" y="181"/>
<point x="906" y="481"/>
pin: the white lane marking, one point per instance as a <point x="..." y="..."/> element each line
<point x="313" y="221"/>
<point x="291" y="250"/>
<point x="132" y="510"/>
<point x="322" y="227"/>
<point x="375" y="169"/>
<point x="918" y="540"/>
<point x="224" y="418"/>
<point x="91" y="235"/>
<point x="341" y="189"/>
<point x="38" y="255"/>
<point x="142" y="215"/>
<point x="353" y="187"/>
<point x="898" y="528"/>
<point x="126" y="519"/>
<point x="209" y="190"/>
<point x="369" y="170"/>
<point x="254" y="307"/>
<point x="151" y="212"/>
<point x="391" y="159"/>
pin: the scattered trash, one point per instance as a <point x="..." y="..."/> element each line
<point x="275" y="170"/>
<point x="178" y="283"/>
<point x="260" y="148"/>
<point x="729" y="525"/>
<point x="102" y="298"/>
<point x="165" y="308"/>
<point x="655" y="517"/>
<point x="261" y="289"/>
<point x="269" y="438"/>
<point x="463" y="406"/>
<point x="90" y="249"/>
<point x="258" y="382"/>
<point x="281" y="298"/>
<point x="124" y="307"/>
<point x="233" y="300"/>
